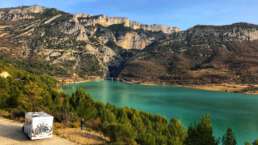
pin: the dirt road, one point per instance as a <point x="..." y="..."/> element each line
<point x="11" y="134"/>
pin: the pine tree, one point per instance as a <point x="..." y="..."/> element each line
<point x="177" y="132"/>
<point x="201" y="133"/>
<point x="228" y="138"/>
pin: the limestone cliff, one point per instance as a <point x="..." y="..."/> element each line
<point x="108" y="21"/>
<point x="133" y="40"/>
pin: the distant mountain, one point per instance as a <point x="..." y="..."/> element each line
<point x="202" y="54"/>
<point x="82" y="46"/>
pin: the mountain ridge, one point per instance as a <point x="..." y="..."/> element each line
<point x="82" y="46"/>
<point x="97" y="19"/>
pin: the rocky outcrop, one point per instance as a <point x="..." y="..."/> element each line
<point x="133" y="40"/>
<point x="82" y="36"/>
<point x="20" y="13"/>
<point x="234" y="32"/>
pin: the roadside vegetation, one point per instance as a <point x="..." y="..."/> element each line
<point x="23" y="91"/>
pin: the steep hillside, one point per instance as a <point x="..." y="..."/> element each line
<point x="202" y="54"/>
<point x="74" y="45"/>
<point x="82" y="46"/>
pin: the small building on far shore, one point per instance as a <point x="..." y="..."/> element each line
<point x="4" y="74"/>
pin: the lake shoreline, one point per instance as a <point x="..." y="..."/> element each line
<point x="221" y="87"/>
<point x="67" y="81"/>
<point x="225" y="87"/>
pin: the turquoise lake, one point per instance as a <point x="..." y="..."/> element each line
<point x="237" y="111"/>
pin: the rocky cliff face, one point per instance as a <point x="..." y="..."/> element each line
<point x="127" y="32"/>
<point x="81" y="45"/>
<point x="108" y="21"/>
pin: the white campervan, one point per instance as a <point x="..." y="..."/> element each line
<point x="38" y="125"/>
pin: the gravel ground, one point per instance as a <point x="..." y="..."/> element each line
<point x="11" y="134"/>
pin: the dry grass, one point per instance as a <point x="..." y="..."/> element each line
<point x="210" y="71"/>
<point x="4" y="113"/>
<point x="85" y="137"/>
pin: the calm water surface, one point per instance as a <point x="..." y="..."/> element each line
<point x="237" y="111"/>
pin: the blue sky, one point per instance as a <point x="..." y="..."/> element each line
<point x="181" y="13"/>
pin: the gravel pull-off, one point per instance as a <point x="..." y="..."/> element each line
<point x="11" y="134"/>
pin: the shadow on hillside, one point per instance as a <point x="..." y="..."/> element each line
<point x="12" y="132"/>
